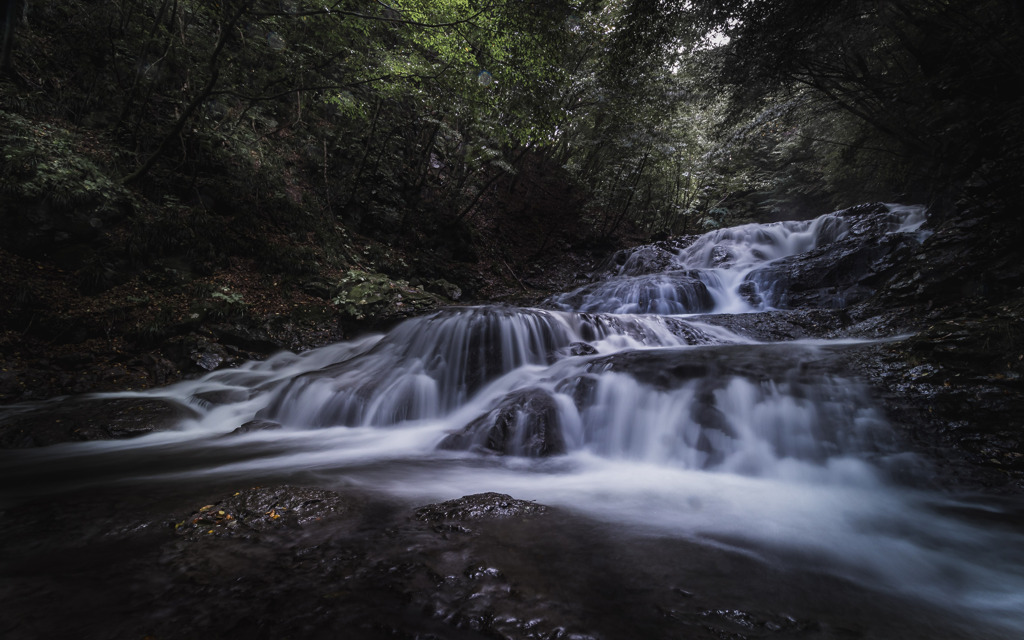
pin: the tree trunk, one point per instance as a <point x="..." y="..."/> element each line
<point x="10" y="17"/>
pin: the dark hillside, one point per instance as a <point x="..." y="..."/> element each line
<point x="140" y="245"/>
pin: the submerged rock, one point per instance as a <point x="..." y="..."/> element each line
<point x="256" y="425"/>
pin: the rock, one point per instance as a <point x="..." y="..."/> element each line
<point x="955" y="392"/>
<point x="444" y="288"/>
<point x="525" y="423"/>
<point x="249" y="339"/>
<point x="857" y="255"/>
<point x="257" y="425"/>
<point x="252" y="512"/>
<point x="89" y="418"/>
<point x="581" y="349"/>
<point x="670" y="368"/>
<point x="662" y="293"/>
<point x="209" y="359"/>
<point x="646" y="259"/>
<point x="783" y="325"/>
<point x="479" y="506"/>
<point x="220" y="396"/>
<point x="834" y="276"/>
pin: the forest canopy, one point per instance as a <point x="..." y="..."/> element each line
<point x="209" y="181"/>
<point x="664" y="115"/>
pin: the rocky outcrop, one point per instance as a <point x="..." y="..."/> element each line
<point x="479" y="506"/>
<point x="525" y="423"/>
<point x="839" y="273"/>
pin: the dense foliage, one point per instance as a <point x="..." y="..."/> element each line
<point x="216" y="179"/>
<point x="668" y="114"/>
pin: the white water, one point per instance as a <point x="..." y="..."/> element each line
<point x="669" y="426"/>
<point x="708" y="275"/>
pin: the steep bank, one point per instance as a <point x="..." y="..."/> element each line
<point x="151" y="231"/>
<point x="110" y="288"/>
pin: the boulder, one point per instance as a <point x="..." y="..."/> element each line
<point x="833" y="276"/>
<point x="525" y="423"/>
<point x="479" y="506"/>
<point x="251" y="512"/>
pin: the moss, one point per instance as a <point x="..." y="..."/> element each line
<point x="364" y="295"/>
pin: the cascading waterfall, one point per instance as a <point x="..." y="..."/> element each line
<point x="612" y="405"/>
<point x="714" y="273"/>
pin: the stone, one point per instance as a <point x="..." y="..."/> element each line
<point x="525" y="423"/>
<point x="248" y="513"/>
<point x="479" y="506"/>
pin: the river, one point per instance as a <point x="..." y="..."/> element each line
<point x="761" y="483"/>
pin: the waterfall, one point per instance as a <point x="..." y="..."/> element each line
<point x="718" y="271"/>
<point x="617" y="402"/>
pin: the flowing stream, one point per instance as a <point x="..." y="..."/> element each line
<point x="617" y="404"/>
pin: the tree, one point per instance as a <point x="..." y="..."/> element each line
<point x="931" y="79"/>
<point x="10" y="17"/>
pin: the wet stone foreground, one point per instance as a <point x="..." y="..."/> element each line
<point x="297" y="562"/>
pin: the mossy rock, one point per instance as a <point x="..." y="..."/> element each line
<point x="364" y="295"/>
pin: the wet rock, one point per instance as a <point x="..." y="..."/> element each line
<point x="581" y="349"/>
<point x="256" y="425"/>
<point x="736" y="623"/>
<point x="88" y="418"/>
<point x="525" y="423"/>
<point x="955" y="393"/>
<point x="597" y="326"/>
<point x="580" y="388"/>
<point x="251" y="512"/>
<point x="670" y="368"/>
<point x="784" y="325"/>
<point x="479" y="506"/>
<point x="209" y="359"/>
<point x="748" y="291"/>
<point x="645" y="260"/>
<point x="833" y="276"/>
<point x="221" y="396"/>
<point x="970" y="261"/>
<point x="444" y="288"/>
<point x="662" y="293"/>
<point x="858" y="252"/>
